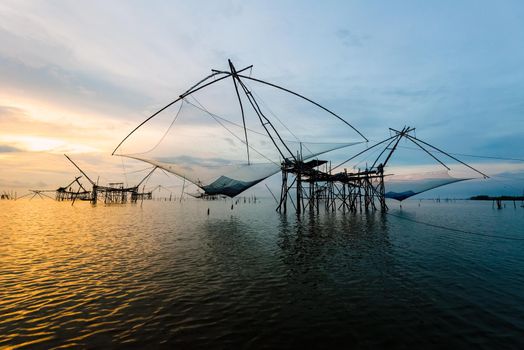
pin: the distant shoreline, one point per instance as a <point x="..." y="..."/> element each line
<point x="500" y="198"/>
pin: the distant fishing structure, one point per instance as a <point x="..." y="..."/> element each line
<point x="113" y="193"/>
<point x="40" y="193"/>
<point x="5" y="195"/>
<point x="314" y="182"/>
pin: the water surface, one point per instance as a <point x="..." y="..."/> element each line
<point x="166" y="273"/>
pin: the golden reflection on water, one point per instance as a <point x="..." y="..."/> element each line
<point x="62" y="266"/>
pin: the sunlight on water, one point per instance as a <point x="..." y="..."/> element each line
<point x="167" y="273"/>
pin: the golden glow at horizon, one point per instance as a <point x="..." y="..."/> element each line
<point x="38" y="126"/>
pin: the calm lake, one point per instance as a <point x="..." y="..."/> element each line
<point x="167" y="273"/>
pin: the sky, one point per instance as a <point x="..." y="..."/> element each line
<point x="76" y="76"/>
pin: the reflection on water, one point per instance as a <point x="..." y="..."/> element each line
<point x="169" y="274"/>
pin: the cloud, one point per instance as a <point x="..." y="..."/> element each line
<point x="75" y="89"/>
<point x="22" y="184"/>
<point x="8" y="149"/>
<point x="230" y="141"/>
<point x="350" y="39"/>
<point x="8" y="113"/>
<point x="23" y="131"/>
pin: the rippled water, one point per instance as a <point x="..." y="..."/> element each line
<point x="166" y="273"/>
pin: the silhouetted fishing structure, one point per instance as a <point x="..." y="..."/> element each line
<point x="344" y="191"/>
<point x="67" y="193"/>
<point x="231" y="180"/>
<point x="315" y="182"/>
<point x="364" y="189"/>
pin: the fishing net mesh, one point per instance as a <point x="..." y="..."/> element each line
<point x="224" y="152"/>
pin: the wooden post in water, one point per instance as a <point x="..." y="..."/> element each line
<point x="299" y="192"/>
